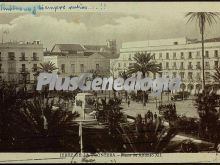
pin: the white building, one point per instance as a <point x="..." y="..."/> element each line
<point x="179" y="57"/>
<point x="19" y="61"/>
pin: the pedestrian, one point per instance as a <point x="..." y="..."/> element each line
<point x="128" y="103"/>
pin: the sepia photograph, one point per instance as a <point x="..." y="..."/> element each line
<point x="99" y="79"/>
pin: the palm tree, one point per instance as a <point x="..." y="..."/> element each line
<point x="144" y="63"/>
<point x="216" y="75"/>
<point x="202" y="18"/>
<point x="147" y="136"/>
<point x="47" y="67"/>
<point x="39" y="126"/>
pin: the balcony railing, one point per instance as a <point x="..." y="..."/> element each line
<point x="34" y="69"/>
<point x="11" y="59"/>
<point x="35" y="58"/>
<point x="23" y="58"/>
<point x="182" y="68"/>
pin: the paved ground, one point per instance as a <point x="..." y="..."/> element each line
<point x="185" y="107"/>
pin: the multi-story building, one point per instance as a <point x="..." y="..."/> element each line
<point x="74" y="59"/>
<point x="19" y="61"/>
<point x="178" y="57"/>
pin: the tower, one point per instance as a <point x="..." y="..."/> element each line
<point x="112" y="46"/>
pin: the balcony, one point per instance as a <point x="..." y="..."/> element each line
<point x="23" y="70"/>
<point x="11" y="59"/>
<point x="182" y="68"/>
<point x="207" y="67"/>
<point x="35" y="58"/>
<point x="198" y="67"/>
<point x="23" y="58"/>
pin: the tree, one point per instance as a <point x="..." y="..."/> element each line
<point x="207" y="106"/>
<point x="47" y="67"/>
<point x="144" y="63"/>
<point x="202" y="18"/>
<point x="148" y="136"/>
<point x="39" y="126"/>
<point x="124" y="75"/>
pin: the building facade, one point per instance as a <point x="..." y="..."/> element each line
<point x="19" y="61"/>
<point x="178" y="57"/>
<point x="75" y="59"/>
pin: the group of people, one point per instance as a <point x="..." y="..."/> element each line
<point x="171" y="106"/>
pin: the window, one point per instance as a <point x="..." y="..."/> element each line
<point x="198" y="76"/>
<point x="11" y="55"/>
<point x="198" y="54"/>
<point x="198" y="65"/>
<point x="174" y="64"/>
<point x="0" y="67"/>
<point x="190" y="55"/>
<point x="190" y="75"/>
<point x="174" y="55"/>
<point x="174" y="74"/>
<point x="190" y="65"/>
<point x="119" y="65"/>
<point x="0" y="56"/>
<point x="22" y="56"/>
<point x="97" y="66"/>
<point x="167" y="56"/>
<point x="35" y="56"/>
<point x="182" y="55"/>
<point x="34" y="67"/>
<point x="73" y="68"/>
<point x="182" y="65"/>
<point x="125" y="65"/>
<point x="160" y="55"/>
<point x="182" y="75"/>
<point x="207" y="65"/>
<point x="23" y="67"/>
<point x="82" y="68"/>
<point x="207" y="54"/>
<point x="63" y="68"/>
<point x="167" y="65"/>
<point x="129" y="58"/>
<point x="216" y="53"/>
<point x="216" y="64"/>
<point x="175" y="43"/>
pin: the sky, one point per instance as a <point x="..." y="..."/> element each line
<point x="134" y="23"/>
